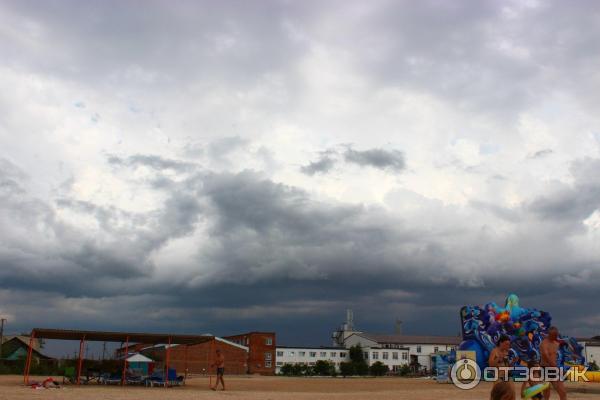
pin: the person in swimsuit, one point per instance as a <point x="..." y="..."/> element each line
<point x="549" y="353"/>
<point x="220" y="365"/>
<point x="499" y="356"/>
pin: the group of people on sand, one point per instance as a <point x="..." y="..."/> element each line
<point x="505" y="390"/>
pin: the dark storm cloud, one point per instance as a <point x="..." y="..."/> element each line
<point x="151" y="161"/>
<point x="572" y="203"/>
<point x="272" y="250"/>
<point x="392" y="160"/>
<point x="320" y="166"/>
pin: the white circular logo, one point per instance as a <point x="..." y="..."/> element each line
<point x="465" y="374"/>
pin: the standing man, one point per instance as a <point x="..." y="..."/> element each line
<point x="549" y="355"/>
<point x="220" y="365"/>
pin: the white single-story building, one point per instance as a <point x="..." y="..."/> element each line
<point x="591" y="349"/>
<point x="309" y="356"/>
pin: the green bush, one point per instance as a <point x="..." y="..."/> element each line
<point x="287" y="369"/>
<point x="593" y="366"/>
<point x="347" y="369"/>
<point x="361" y="368"/>
<point x="404" y="370"/>
<point x="324" y="368"/>
<point x="378" y="369"/>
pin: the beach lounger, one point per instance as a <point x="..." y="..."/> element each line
<point x="158" y="379"/>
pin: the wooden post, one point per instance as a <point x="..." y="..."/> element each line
<point x="29" y="355"/>
<point x="125" y="361"/>
<point x="185" y="364"/>
<point x="168" y="353"/>
<point x="80" y="363"/>
<point x="208" y="366"/>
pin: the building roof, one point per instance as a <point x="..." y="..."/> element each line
<point x="11" y="346"/>
<point x="593" y="341"/>
<point x="139" y="358"/>
<point x="119" y="337"/>
<point x="229" y="342"/>
<point x="23" y="338"/>
<point x="408" y="339"/>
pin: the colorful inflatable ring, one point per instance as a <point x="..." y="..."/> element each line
<point x="536" y="389"/>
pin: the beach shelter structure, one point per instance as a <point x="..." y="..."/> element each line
<point x="116" y="337"/>
<point x="139" y="362"/>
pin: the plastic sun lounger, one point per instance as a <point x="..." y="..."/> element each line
<point x="111" y="379"/>
<point x="158" y="380"/>
<point x="134" y="380"/>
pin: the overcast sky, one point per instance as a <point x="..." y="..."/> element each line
<point x="224" y="166"/>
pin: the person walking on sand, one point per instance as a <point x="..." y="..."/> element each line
<point x="220" y="365"/>
<point x="549" y="355"/>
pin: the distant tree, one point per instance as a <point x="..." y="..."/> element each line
<point x="356" y="354"/>
<point x="357" y="358"/>
<point x="378" y="369"/>
<point x="347" y="369"/>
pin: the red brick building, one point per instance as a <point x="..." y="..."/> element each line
<point x="247" y="353"/>
<point x="261" y="351"/>
<point x="198" y="358"/>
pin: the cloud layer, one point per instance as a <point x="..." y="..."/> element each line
<point x="216" y="168"/>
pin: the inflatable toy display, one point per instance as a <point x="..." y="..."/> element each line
<point x="526" y="328"/>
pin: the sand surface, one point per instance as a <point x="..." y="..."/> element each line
<point x="265" y="388"/>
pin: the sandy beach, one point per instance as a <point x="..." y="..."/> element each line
<point x="272" y="388"/>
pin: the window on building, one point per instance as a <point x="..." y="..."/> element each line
<point x="267" y="364"/>
<point x="342" y="355"/>
<point x="435" y="349"/>
<point x="313" y="354"/>
<point x="333" y="354"/>
<point x="280" y="354"/>
<point x="279" y="363"/>
<point x="375" y="355"/>
<point x="405" y="356"/>
<point x="323" y="354"/>
<point x="385" y="355"/>
<point x="395" y="355"/>
<point x="418" y="349"/>
<point x="366" y="355"/>
<point x="292" y="353"/>
<point x="302" y="353"/>
<point x="268" y="356"/>
<point x="269" y="341"/>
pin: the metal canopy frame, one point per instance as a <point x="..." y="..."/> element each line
<point x="118" y="337"/>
